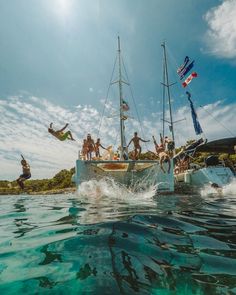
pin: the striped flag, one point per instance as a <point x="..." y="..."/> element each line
<point x="185" y="71"/>
<point x="180" y="69"/>
<point x="189" y="79"/>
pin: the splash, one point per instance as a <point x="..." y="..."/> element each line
<point x="106" y="199"/>
<point x="108" y="187"/>
<point x="228" y="189"/>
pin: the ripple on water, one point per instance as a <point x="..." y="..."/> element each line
<point x="101" y="244"/>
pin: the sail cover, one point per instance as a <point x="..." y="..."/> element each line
<point x="196" y="124"/>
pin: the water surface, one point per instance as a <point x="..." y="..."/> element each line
<point x="107" y="240"/>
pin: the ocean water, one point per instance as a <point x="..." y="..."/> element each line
<point x="105" y="239"/>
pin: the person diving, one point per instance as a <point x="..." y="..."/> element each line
<point x="59" y="134"/>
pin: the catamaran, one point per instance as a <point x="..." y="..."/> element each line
<point x="136" y="174"/>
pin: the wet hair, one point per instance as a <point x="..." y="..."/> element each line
<point x="135" y="133"/>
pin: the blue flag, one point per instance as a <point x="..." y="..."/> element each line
<point x="196" y="124"/>
<point x="186" y="70"/>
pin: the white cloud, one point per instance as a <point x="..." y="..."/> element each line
<point x="24" y="123"/>
<point x="221" y="34"/>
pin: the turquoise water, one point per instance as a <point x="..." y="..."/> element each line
<point x="107" y="240"/>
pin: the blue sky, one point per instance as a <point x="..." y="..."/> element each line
<point x="56" y="59"/>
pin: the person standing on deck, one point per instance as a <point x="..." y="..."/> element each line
<point x="59" y="134"/>
<point x="97" y="146"/>
<point x="26" y="173"/>
<point x="90" y="147"/>
<point x="137" y="147"/>
<point x="84" y="149"/>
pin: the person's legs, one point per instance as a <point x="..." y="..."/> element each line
<point x="66" y="135"/>
<point x="70" y="135"/>
<point x="20" y="182"/>
<point x="161" y="164"/>
<point x="169" y="165"/>
<point x="135" y="153"/>
<point x="139" y="152"/>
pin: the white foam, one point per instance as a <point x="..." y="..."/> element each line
<point x="107" y="187"/>
<point x="105" y="200"/>
<point x="229" y="189"/>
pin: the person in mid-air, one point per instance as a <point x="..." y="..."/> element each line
<point x="26" y="173"/>
<point x="137" y="148"/>
<point x="59" y="134"/>
<point x="170" y="145"/>
<point x="163" y="156"/>
<point x="97" y="146"/>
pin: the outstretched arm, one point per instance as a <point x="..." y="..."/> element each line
<point x="161" y="139"/>
<point x="154" y="140"/>
<point x="144" y="140"/>
<point x="63" y="128"/>
<point x="130" y="142"/>
<point x="22" y="157"/>
<point x="102" y="147"/>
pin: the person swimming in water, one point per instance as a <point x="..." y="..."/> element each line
<point x="26" y="173"/>
<point x="59" y="134"/>
<point x="137" y="148"/>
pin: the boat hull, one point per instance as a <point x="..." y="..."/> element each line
<point x="137" y="174"/>
<point x="196" y="178"/>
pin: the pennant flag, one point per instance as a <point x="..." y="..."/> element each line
<point x="196" y="124"/>
<point x="125" y="106"/>
<point x="189" y="79"/>
<point x="180" y="69"/>
<point x="186" y="70"/>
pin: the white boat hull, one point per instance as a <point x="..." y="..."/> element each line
<point x="138" y="174"/>
<point x="195" y="178"/>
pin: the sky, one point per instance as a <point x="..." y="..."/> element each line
<point x="56" y="64"/>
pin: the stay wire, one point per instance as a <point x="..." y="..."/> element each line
<point x="100" y="123"/>
<point x="136" y="109"/>
<point x="217" y="121"/>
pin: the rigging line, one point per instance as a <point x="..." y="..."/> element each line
<point x="136" y="109"/>
<point x="217" y="121"/>
<point x="100" y="123"/>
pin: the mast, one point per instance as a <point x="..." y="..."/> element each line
<point x="163" y="101"/>
<point x="122" y="127"/>
<point x="168" y="89"/>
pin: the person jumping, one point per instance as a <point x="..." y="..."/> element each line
<point x="59" y="134"/>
